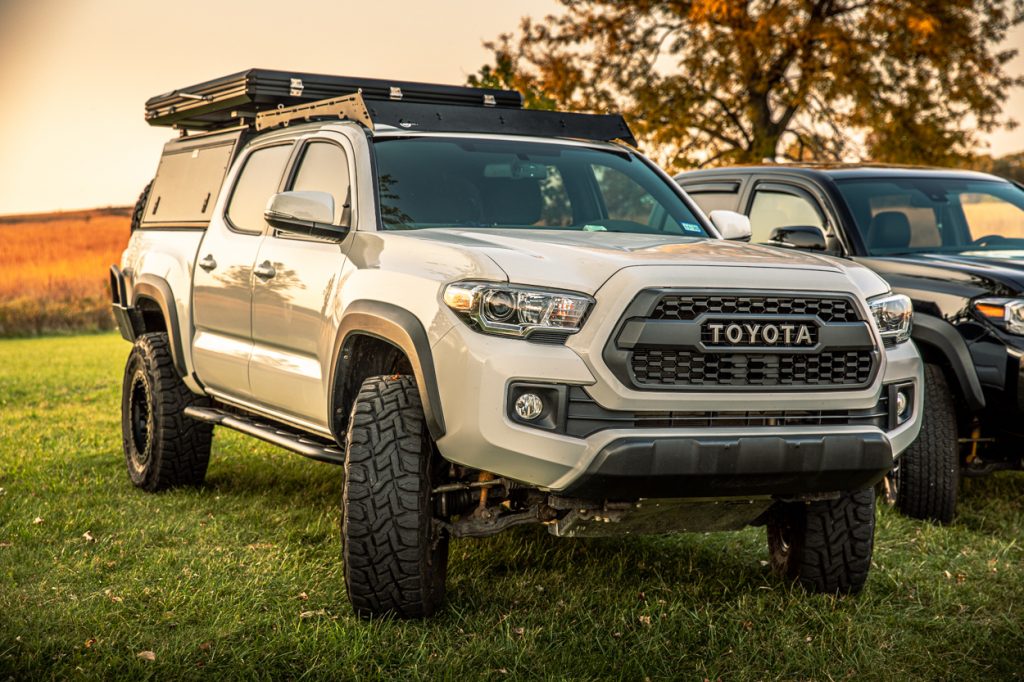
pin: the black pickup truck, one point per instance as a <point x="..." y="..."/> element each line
<point x="953" y="241"/>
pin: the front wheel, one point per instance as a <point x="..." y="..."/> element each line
<point x="824" y="545"/>
<point x="395" y="553"/>
<point x="927" y="477"/>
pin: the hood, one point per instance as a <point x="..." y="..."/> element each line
<point x="994" y="272"/>
<point x="583" y="261"/>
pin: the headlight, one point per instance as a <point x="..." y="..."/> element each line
<point x="1005" y="312"/>
<point x="510" y="310"/>
<point x="893" y="315"/>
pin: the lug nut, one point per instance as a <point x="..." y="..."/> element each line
<point x="529" y="406"/>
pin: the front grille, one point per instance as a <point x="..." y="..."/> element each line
<point x="675" y="340"/>
<point x="686" y="307"/>
<point x="671" y="367"/>
<point x="584" y="417"/>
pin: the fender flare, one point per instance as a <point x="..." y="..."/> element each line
<point x="401" y="329"/>
<point x="158" y="290"/>
<point x="943" y="337"/>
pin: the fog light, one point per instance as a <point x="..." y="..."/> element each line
<point x="529" y="406"/>
<point x="901" y="404"/>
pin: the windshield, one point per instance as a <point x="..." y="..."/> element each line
<point x="454" y="182"/>
<point x="923" y="215"/>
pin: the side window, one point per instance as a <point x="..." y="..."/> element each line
<point x="924" y="223"/>
<point x="716" y="201"/>
<point x="324" y="168"/>
<point x="779" y="209"/>
<point x="258" y="181"/>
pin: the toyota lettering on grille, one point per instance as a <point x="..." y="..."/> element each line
<point x="760" y="334"/>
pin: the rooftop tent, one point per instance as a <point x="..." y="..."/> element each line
<point x="236" y="100"/>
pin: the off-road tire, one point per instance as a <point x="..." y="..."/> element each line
<point x="140" y="207"/>
<point x="824" y="545"/>
<point x="395" y="554"/>
<point x="163" y="448"/>
<point x="928" y="475"/>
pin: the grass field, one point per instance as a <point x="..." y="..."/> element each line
<point x="242" y="579"/>
<point x="54" y="274"/>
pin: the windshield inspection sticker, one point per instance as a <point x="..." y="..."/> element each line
<point x="691" y="227"/>
<point x="595" y="228"/>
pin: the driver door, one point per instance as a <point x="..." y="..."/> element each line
<point x="293" y="288"/>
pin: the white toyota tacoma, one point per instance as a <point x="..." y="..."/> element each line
<point x="493" y="316"/>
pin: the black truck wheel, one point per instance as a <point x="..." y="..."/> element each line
<point x="824" y="545"/>
<point x="928" y="472"/>
<point x="395" y="554"/>
<point x="163" y="448"/>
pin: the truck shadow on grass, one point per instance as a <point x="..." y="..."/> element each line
<point x="988" y="505"/>
<point x="280" y="482"/>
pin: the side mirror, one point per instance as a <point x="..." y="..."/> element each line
<point x="306" y="213"/>
<point x="732" y="225"/>
<point x="799" y="237"/>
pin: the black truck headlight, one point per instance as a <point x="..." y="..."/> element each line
<point x="1007" y="313"/>
<point x="894" y="316"/>
<point x="510" y="310"/>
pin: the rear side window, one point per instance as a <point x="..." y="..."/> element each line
<point x="715" y="201"/>
<point x="186" y="185"/>
<point x="324" y="168"/>
<point x="258" y="181"/>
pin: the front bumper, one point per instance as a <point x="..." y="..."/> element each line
<point x="477" y="372"/>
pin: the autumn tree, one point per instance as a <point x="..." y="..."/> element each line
<point x="709" y="82"/>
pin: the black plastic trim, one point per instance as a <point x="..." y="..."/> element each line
<point x="735" y="466"/>
<point x="584" y="417"/>
<point x="158" y="290"/>
<point x="403" y="330"/>
<point x="554" y="397"/>
<point x="121" y="311"/>
<point x="940" y="335"/>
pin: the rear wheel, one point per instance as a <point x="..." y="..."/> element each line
<point x="163" y="448"/>
<point x="824" y="545"/>
<point x="928" y="472"/>
<point x="395" y="553"/>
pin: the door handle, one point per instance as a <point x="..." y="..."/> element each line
<point x="208" y="263"/>
<point x="264" y="270"/>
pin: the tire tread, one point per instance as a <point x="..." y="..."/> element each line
<point x="929" y="473"/>
<point x="181" y="446"/>
<point x="395" y="559"/>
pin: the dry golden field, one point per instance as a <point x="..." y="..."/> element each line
<point x="993" y="217"/>
<point x="53" y="270"/>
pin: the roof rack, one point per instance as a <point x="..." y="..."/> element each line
<point x="261" y="99"/>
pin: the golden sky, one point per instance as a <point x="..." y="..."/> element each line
<point x="74" y="74"/>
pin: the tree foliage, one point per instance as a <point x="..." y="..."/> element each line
<point x="731" y="81"/>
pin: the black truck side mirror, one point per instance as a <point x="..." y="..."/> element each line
<point x="799" y="237"/>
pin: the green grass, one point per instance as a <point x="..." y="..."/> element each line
<point x="210" y="579"/>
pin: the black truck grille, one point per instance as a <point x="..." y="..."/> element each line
<point x="683" y="307"/>
<point x="678" y="340"/>
<point x="671" y="367"/>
